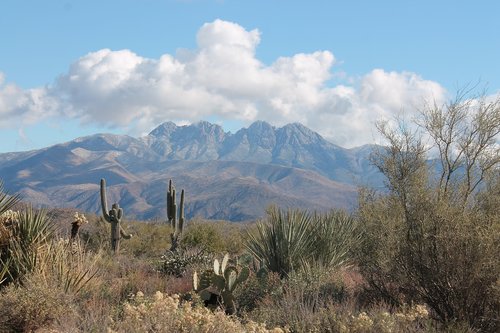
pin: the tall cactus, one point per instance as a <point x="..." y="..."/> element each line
<point x="114" y="217"/>
<point x="177" y="224"/>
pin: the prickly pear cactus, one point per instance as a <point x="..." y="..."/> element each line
<point x="220" y="283"/>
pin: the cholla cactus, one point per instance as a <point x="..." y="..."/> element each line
<point x="176" y="224"/>
<point x="220" y="283"/>
<point x="7" y="218"/>
<point x="114" y="217"/>
<point x="78" y="221"/>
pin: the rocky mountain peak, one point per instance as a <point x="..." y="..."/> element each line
<point x="261" y="134"/>
<point x="164" y="130"/>
<point x="298" y="134"/>
<point x="207" y="130"/>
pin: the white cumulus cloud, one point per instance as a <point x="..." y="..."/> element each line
<point x="221" y="79"/>
<point x="20" y="107"/>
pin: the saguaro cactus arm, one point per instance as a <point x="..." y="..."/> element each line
<point x="124" y="235"/>
<point x="104" y="202"/>
<point x="180" y="225"/>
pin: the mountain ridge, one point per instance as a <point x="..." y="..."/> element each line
<point x="258" y="165"/>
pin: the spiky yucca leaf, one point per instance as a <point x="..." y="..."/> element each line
<point x="284" y="240"/>
<point x="292" y="240"/>
<point x="34" y="227"/>
<point x="68" y="265"/>
<point x="338" y="233"/>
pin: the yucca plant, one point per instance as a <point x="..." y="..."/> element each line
<point x="284" y="241"/>
<point x="338" y="233"/>
<point x="294" y="240"/>
<point x="28" y="234"/>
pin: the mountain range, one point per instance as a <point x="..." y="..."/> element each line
<point x="230" y="176"/>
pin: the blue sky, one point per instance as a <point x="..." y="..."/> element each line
<point x="73" y="68"/>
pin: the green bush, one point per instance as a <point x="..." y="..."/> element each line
<point x="257" y="288"/>
<point x="212" y="237"/>
<point x="149" y="240"/>
<point x="284" y="241"/>
<point x="203" y="235"/>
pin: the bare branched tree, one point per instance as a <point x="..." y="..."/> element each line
<point x="434" y="236"/>
<point x="465" y="132"/>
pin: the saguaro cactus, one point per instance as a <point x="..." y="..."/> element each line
<point x="114" y="217"/>
<point x="176" y="223"/>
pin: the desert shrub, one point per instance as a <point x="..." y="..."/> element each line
<point x="33" y="306"/>
<point x="162" y="313"/>
<point x="149" y="239"/>
<point x="287" y="240"/>
<point x="203" y="235"/>
<point x="95" y="312"/>
<point x="256" y="289"/>
<point x="67" y="265"/>
<point x="450" y="262"/>
<point x="301" y="314"/>
<point x="433" y="238"/>
<point x="377" y="320"/>
<point x="232" y="235"/>
<point x="213" y="237"/>
<point x="96" y="234"/>
<point x="317" y="284"/>
<point x="177" y="263"/>
<point x="121" y="275"/>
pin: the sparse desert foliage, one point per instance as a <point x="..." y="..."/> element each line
<point x="434" y="237"/>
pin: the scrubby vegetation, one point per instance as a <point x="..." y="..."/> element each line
<point x="419" y="257"/>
